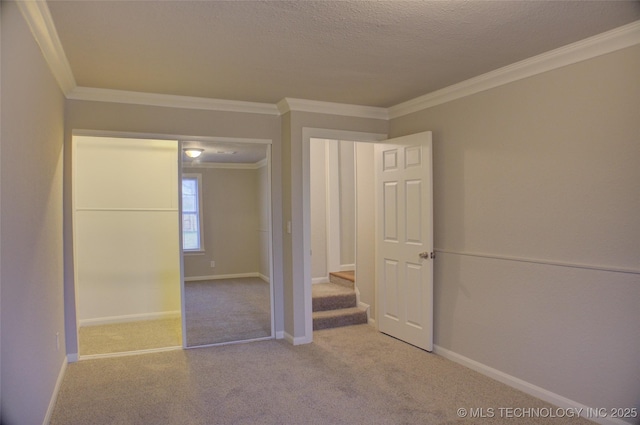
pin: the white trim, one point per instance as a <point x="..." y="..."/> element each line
<point x="92" y="209"/>
<point x="317" y="280"/>
<point x="226" y="165"/>
<point x="170" y="101"/>
<point x="303" y="105"/>
<point x="222" y="276"/>
<point x="269" y="231"/>
<point x="367" y="308"/>
<point x="181" y="252"/>
<point x="607" y="42"/>
<point x="262" y="163"/>
<point x="297" y="340"/>
<point x="72" y="357"/>
<point x="129" y="318"/>
<point x="540" y="261"/>
<point x="363" y="306"/>
<point x="280" y="335"/>
<point x="130" y="353"/>
<point x="200" y="213"/>
<point x="38" y="17"/>
<point x="167" y="136"/>
<point x="220" y="344"/>
<point x="54" y="395"/>
<point x="347" y="267"/>
<point x="332" y="204"/>
<point x="523" y="386"/>
<point x="309" y="133"/>
<point x="265" y="278"/>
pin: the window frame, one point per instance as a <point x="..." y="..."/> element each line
<point x="198" y="178"/>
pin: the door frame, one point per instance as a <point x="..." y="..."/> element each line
<point x="71" y="310"/>
<point x="309" y="133"/>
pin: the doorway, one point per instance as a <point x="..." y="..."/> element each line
<point x="361" y="249"/>
<point x="337" y="181"/>
<point x="401" y="208"/>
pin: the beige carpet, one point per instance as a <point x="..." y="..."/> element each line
<point x="349" y="375"/>
<point x="130" y="336"/>
<point x="226" y="310"/>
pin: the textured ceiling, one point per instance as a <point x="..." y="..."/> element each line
<point x="360" y="52"/>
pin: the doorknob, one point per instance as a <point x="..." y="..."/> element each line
<point x="424" y="255"/>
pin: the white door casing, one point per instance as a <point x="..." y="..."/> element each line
<point x="404" y="236"/>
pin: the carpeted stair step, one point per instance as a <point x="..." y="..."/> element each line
<point x="330" y="296"/>
<point x="346" y="279"/>
<point x="337" y="318"/>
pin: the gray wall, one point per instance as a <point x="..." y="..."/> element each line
<point x="32" y="311"/>
<point x="318" y="207"/>
<point x="115" y="117"/>
<point x="347" y="204"/>
<point x="366" y="226"/>
<point x="231" y="221"/>
<point x="546" y="170"/>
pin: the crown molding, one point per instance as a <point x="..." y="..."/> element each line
<point x="170" y="101"/>
<point x="303" y="105"/>
<point x="39" y="20"/>
<point x="607" y="42"/>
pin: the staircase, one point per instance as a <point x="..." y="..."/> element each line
<point x="334" y="303"/>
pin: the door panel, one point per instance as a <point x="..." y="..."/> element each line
<point x="391" y="212"/>
<point x="404" y="216"/>
<point x="390" y="306"/>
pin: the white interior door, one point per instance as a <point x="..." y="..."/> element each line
<point x="404" y="239"/>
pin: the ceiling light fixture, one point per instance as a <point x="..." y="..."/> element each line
<point x="193" y="152"/>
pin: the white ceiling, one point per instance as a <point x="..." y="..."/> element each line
<point x="373" y="53"/>
<point x="224" y="153"/>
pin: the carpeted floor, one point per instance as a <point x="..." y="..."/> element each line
<point x="349" y="375"/>
<point x="130" y="336"/>
<point x="225" y="310"/>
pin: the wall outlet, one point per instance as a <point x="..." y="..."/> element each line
<point x="213" y="264"/>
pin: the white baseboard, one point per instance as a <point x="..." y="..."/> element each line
<point x="130" y="353"/>
<point x="129" y="318"/>
<point x="324" y="279"/>
<point x="263" y="277"/>
<point x="222" y="276"/>
<point x="347" y="267"/>
<point x="525" y="386"/>
<point x="370" y="320"/>
<point x="364" y="306"/>
<point x="54" y="395"/>
<point x="72" y="357"/>
<point x="280" y="335"/>
<point x="297" y="340"/>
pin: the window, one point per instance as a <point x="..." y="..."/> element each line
<point x="192" y="212"/>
